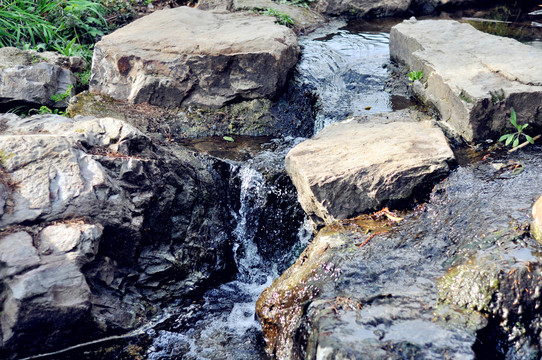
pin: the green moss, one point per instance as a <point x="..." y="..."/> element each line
<point x="470" y="285"/>
<point x="4" y="156"/>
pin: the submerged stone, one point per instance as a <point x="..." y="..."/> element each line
<point x="186" y="56"/>
<point x="472" y="78"/>
<point x="350" y="168"/>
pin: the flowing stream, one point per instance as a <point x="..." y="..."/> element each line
<point x="349" y="69"/>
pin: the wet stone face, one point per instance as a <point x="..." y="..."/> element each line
<point x="461" y="267"/>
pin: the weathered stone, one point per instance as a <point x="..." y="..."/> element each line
<point x="454" y="279"/>
<point x="372" y="8"/>
<point x="44" y="303"/>
<point x="383" y="8"/>
<point x="471" y="83"/>
<point x="291" y="115"/>
<point x="209" y="59"/>
<point x="350" y="168"/>
<point x="26" y="77"/>
<point x="17" y="254"/>
<point x="305" y="19"/>
<point x="322" y="308"/>
<point x="142" y="199"/>
<point x="78" y="239"/>
<point x="536" y="224"/>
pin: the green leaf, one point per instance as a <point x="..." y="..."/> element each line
<point x="529" y="139"/>
<point x="504" y="137"/>
<point x="509" y="140"/>
<point x="228" y="138"/>
<point x="513" y="118"/>
<point x="516" y="142"/>
<point x="523" y="127"/>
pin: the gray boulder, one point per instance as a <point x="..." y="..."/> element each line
<point x="471" y="83"/>
<point x="186" y="56"/>
<point x="46" y="293"/>
<point x="383" y="8"/>
<point x="305" y="19"/>
<point x="158" y="231"/>
<point x="350" y="168"/>
<point x="30" y="77"/>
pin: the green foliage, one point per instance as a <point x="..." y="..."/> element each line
<point x="43" y="110"/>
<point x="62" y="96"/>
<point x="415" y="75"/>
<point x="513" y="138"/>
<point x="228" y="138"/>
<point x="67" y="26"/>
<point x="83" y="78"/>
<point x="300" y="3"/>
<point x="282" y="18"/>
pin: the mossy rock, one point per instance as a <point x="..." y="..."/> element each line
<point x="248" y="118"/>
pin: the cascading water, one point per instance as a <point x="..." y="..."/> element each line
<point x="223" y="325"/>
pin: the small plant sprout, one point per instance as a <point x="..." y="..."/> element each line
<point x="415" y="75"/>
<point x="513" y="138"/>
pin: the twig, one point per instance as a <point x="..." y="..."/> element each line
<point x="370" y="237"/>
<point x="523" y="144"/>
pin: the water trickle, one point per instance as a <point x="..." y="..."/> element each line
<point x="349" y="72"/>
<point x="223" y="323"/>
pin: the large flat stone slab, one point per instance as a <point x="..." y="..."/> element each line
<point x="350" y="168"/>
<point x="186" y="56"/>
<point x="471" y="77"/>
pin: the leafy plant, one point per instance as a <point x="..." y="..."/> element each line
<point x="62" y="25"/>
<point x="83" y="78"/>
<point x="43" y="110"/>
<point x="415" y="75"/>
<point x="229" y="138"/>
<point x="62" y="96"/>
<point x="300" y="3"/>
<point x="282" y="18"/>
<point x="513" y="138"/>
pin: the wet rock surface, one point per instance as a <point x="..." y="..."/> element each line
<point x="469" y="82"/>
<point x="212" y="59"/>
<point x="100" y="226"/>
<point x="290" y="115"/>
<point x="29" y="77"/>
<point x="354" y="167"/>
<point x="458" y="277"/>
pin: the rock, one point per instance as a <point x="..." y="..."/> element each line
<point x="459" y="277"/>
<point x="212" y="59"/>
<point x="17" y="254"/>
<point x="47" y="295"/>
<point x="159" y="229"/>
<point x="331" y="304"/>
<point x="27" y="77"/>
<point x="46" y="303"/>
<point x="536" y="224"/>
<point x="469" y="82"/>
<point x="305" y="19"/>
<point x="79" y="241"/>
<point x="291" y="115"/>
<point x="386" y="8"/>
<point x="350" y="168"/>
<point x="372" y="8"/>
